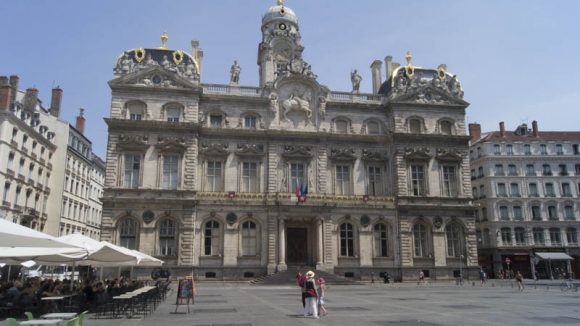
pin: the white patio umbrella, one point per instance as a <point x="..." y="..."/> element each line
<point x="13" y="235"/>
<point x="101" y="253"/>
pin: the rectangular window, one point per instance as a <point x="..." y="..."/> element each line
<point x="375" y="181"/>
<point x="546" y="169"/>
<point x="297" y="176"/>
<point x="215" y="121"/>
<point x="473" y="176"/>
<point x="482" y="191"/>
<point x="501" y="190"/>
<point x="563" y="169"/>
<point x="6" y="192"/>
<point x="515" y="190"/>
<point x="135" y="116"/>
<point x="543" y="149"/>
<point x="533" y="188"/>
<point x="575" y="149"/>
<point x="550" y="190"/>
<point x="418" y="185"/>
<point x="214" y="176"/>
<point x="530" y="170"/>
<point x="555" y="238"/>
<point x="538" y="236"/>
<point x="496" y="149"/>
<point x="480" y="172"/>
<point x="250" y="122"/>
<point x="342" y="180"/>
<point x="559" y="150"/>
<point x="132" y="171"/>
<point x="170" y="171"/>
<point x="518" y="213"/>
<point x="527" y="149"/>
<point x="566" y="190"/>
<point x="512" y="170"/>
<point x="173" y="114"/>
<point x="499" y="169"/>
<point x="509" y="149"/>
<point x="552" y="214"/>
<point x="484" y="214"/>
<point x="536" y="213"/>
<point x="449" y="181"/>
<point x="520" y="234"/>
<point x="577" y="169"/>
<point x="250" y="177"/>
<point x="569" y="212"/>
<point x="503" y="213"/>
<point x="506" y="236"/>
<point x="10" y="161"/>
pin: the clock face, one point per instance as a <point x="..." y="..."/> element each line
<point x="282" y="26"/>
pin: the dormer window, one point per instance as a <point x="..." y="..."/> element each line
<point x="136" y="110"/>
<point x="215" y="121"/>
<point x="415" y="126"/>
<point x="446" y="127"/>
<point x="341" y="126"/>
<point x="373" y="128"/>
<point x="173" y="114"/>
<point x="250" y="122"/>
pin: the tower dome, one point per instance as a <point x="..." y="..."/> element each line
<point x="279" y="13"/>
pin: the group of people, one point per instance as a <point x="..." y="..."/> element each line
<point x="313" y="294"/>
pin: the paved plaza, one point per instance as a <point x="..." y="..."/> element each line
<point x="240" y="304"/>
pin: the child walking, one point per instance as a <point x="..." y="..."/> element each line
<point x="321" y="294"/>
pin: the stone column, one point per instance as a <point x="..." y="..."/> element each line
<point x="282" y="245"/>
<point x="320" y="251"/>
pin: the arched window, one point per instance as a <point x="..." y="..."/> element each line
<point x="341" y="126"/>
<point x="167" y="238"/>
<point x="211" y="238"/>
<point x="446" y="127"/>
<point x="128" y="233"/>
<point x="454" y="234"/>
<point x="173" y="112"/>
<point x="381" y="240"/>
<point x="136" y="110"/>
<point x="506" y="236"/>
<point x="346" y="240"/>
<point x="249" y="238"/>
<point x="420" y="239"/>
<point x="415" y="126"/>
<point x="373" y="128"/>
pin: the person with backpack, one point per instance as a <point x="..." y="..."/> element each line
<point x="311" y="296"/>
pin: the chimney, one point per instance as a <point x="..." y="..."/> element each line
<point x="501" y="129"/>
<point x="5" y="94"/>
<point x="376" y="73"/>
<point x="55" y="101"/>
<point x="80" y="125"/>
<point x="197" y="54"/>
<point x="3" y="80"/>
<point x="535" y="128"/>
<point x="14" y="84"/>
<point x="474" y="132"/>
<point x="30" y="99"/>
<point x="388" y="66"/>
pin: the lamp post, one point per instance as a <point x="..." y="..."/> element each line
<point x="461" y="269"/>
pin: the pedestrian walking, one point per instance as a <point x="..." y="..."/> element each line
<point x="421" y="278"/>
<point x="372" y="278"/>
<point x="300" y="279"/>
<point x="520" y="281"/>
<point x="321" y="295"/>
<point x="311" y="296"/>
<point x="482" y="276"/>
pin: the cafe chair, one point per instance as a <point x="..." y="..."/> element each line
<point x="72" y="322"/>
<point x="11" y="322"/>
<point x="29" y="315"/>
<point x="81" y="318"/>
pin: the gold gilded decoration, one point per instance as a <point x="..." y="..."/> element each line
<point x="164" y="38"/>
<point x="280" y="2"/>
<point x="441" y="73"/>
<point x="177" y="56"/>
<point x="409" y="69"/>
<point x="139" y="54"/>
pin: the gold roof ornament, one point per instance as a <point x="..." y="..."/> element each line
<point x="164" y="38"/>
<point x="409" y="69"/>
<point x="280" y="2"/>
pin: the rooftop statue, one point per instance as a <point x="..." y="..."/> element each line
<point x="355" y="78"/>
<point x="235" y="73"/>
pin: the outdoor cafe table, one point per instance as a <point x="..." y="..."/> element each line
<point x="41" y="322"/>
<point x="59" y="315"/>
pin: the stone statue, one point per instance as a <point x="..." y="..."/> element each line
<point x="274" y="106"/>
<point x="149" y="60"/>
<point x="322" y="107"/>
<point x="166" y="64"/>
<point x="355" y="78"/>
<point x="235" y="73"/>
<point x="295" y="102"/>
<point x="126" y="64"/>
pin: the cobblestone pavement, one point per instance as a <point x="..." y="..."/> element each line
<point x="237" y="304"/>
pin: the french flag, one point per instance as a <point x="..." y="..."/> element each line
<point x="301" y="192"/>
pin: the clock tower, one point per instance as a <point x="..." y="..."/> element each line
<point x="280" y="49"/>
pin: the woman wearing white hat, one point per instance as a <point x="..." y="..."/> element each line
<point x="311" y="295"/>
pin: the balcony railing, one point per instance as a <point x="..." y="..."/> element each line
<point x="231" y="90"/>
<point x="350" y="97"/>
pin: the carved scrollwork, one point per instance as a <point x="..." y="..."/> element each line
<point x="426" y="86"/>
<point x="297" y="151"/>
<point x="214" y="149"/>
<point x="417" y="153"/>
<point x="250" y="150"/>
<point x="171" y="144"/>
<point x="133" y="142"/>
<point x="342" y="154"/>
<point x="448" y="155"/>
<point x="373" y="156"/>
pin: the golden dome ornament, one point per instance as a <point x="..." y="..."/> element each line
<point x="409" y="69"/>
<point x="177" y="56"/>
<point x="441" y="73"/>
<point x="164" y="38"/>
<point x="139" y="54"/>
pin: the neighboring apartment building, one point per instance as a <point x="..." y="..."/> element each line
<point x="526" y="183"/>
<point x="238" y="181"/>
<point x="84" y="174"/>
<point x="34" y="146"/>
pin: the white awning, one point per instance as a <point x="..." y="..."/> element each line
<point x="553" y="256"/>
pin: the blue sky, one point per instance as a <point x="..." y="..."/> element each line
<point x="518" y="60"/>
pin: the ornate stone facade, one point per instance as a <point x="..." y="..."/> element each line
<point x="239" y="181"/>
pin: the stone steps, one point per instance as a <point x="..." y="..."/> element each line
<point x="288" y="277"/>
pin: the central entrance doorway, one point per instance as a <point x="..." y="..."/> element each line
<point x="297" y="246"/>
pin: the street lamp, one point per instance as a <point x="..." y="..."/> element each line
<point x="461" y="269"/>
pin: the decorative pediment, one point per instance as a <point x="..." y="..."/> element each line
<point x="250" y="150"/>
<point x="297" y="152"/>
<point x="133" y="142"/>
<point x="372" y="156"/>
<point x="417" y="154"/>
<point x="427" y="86"/>
<point x="171" y="144"/>
<point x="156" y="76"/>
<point x="342" y="154"/>
<point x="448" y="155"/>
<point x="214" y="149"/>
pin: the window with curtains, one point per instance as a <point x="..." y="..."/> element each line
<point x="538" y="236"/>
<point x="571" y="236"/>
<point x="297" y="176"/>
<point x="346" y="240"/>
<point x="418" y="185"/>
<point x="249" y="238"/>
<point x="342" y="180"/>
<point x="381" y="240"/>
<point x="506" y="236"/>
<point x="132" y="170"/>
<point x="250" y="177"/>
<point x="167" y="232"/>
<point x="449" y="176"/>
<point x="214" y="176"/>
<point x="250" y="122"/>
<point x="555" y="238"/>
<point x="375" y="181"/>
<point x="170" y="171"/>
<point x="420" y="240"/>
<point x="128" y="233"/>
<point x="454" y="235"/>
<point x="520" y="235"/>
<point x="211" y="238"/>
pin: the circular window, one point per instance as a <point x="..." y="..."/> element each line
<point x="148" y="216"/>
